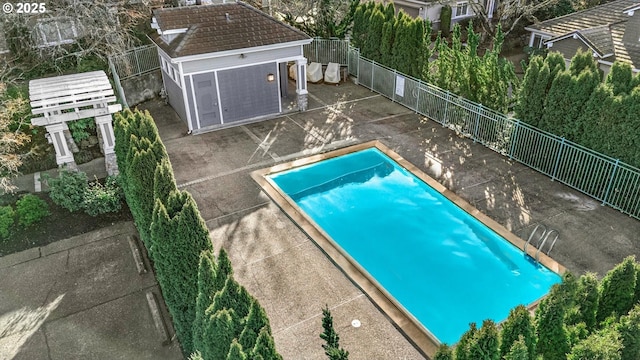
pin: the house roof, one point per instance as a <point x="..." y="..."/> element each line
<point x="206" y="29"/>
<point x="601" y="28"/>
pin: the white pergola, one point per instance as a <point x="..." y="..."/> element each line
<point x="73" y="97"/>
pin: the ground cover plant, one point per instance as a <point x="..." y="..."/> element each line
<point x="581" y="318"/>
<point x="214" y="316"/>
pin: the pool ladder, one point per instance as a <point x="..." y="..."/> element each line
<point x="545" y="235"/>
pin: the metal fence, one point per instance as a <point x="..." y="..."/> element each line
<point x="325" y="51"/>
<point x="606" y="179"/>
<point x="135" y="62"/>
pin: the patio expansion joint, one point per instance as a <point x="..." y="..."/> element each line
<point x="261" y="143"/>
<point x="319" y="314"/>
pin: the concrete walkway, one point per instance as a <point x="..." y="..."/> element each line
<point x="293" y="279"/>
<point x="79" y="298"/>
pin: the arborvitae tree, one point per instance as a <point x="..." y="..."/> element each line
<point x="485" y="344"/>
<point x="602" y="345"/>
<point x="587" y="299"/>
<point x="444" y="353"/>
<point x="463" y="347"/>
<point x="223" y="271"/>
<point x="617" y="290"/>
<point x="265" y="347"/>
<point x="445" y="20"/>
<point x="256" y="320"/>
<point x="629" y="329"/>
<point x="581" y="61"/>
<point x="179" y="236"/>
<point x="556" y="103"/>
<point x="360" y="25"/>
<point x="426" y="51"/>
<point x="472" y="83"/>
<point x="418" y="49"/>
<point x="402" y="44"/>
<point x="206" y="291"/>
<point x="530" y="98"/>
<point x="518" y="325"/>
<point x="143" y="159"/>
<point x="582" y="87"/>
<point x="459" y="63"/>
<point x="552" y="336"/>
<point x="518" y="350"/>
<point x="122" y="136"/>
<point x="500" y="76"/>
<point x="371" y="49"/>
<point x="163" y="180"/>
<point x="386" y="44"/>
<point x="576" y="333"/>
<point x="620" y="78"/>
<point x="636" y="296"/>
<point x="330" y="336"/>
<point x="443" y="65"/>
<point x="236" y="352"/>
<point x="219" y="334"/>
<point x="595" y="119"/>
<point x="233" y="296"/>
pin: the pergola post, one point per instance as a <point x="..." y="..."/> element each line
<point x="73" y="97"/>
<point x="301" y="84"/>
<point x="64" y="156"/>
<point x="105" y="128"/>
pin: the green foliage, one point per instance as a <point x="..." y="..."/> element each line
<point x="620" y="78"/>
<point x="587" y="299"/>
<point x="617" y="290"/>
<point x="330" y="336"/>
<point x="518" y="350"/>
<point x="81" y="129"/>
<point x="256" y="321"/>
<point x="236" y="352"/>
<point x="265" y="347"/>
<point x="68" y="189"/>
<point x="330" y="19"/>
<point x="576" y="333"/>
<point x="179" y="235"/>
<point x="629" y="329"/>
<point x="7" y="218"/>
<point x="31" y="209"/>
<point x="553" y="343"/>
<point x="163" y="180"/>
<point x="485" y="345"/>
<point x="371" y="49"/>
<point x="101" y="199"/>
<point x="445" y="20"/>
<point x="224" y="270"/>
<point x="219" y="334"/>
<point x="536" y="84"/>
<point x="602" y="345"/>
<point x="206" y="291"/>
<point x="462" y="351"/>
<point x="444" y="353"/>
<point x="518" y="325"/>
<point x="233" y="296"/>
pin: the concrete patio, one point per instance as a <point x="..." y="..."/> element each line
<point x="293" y="278"/>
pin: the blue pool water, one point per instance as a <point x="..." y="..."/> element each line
<point x="443" y="265"/>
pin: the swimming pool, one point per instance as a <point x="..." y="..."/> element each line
<point x="441" y="265"/>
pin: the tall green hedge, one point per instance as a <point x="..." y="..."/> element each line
<point x="178" y="243"/>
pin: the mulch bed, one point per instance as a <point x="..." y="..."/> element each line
<point x="61" y="224"/>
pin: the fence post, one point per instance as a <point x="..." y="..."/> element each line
<point x="613" y="174"/>
<point x="395" y="78"/>
<point x="135" y="54"/>
<point x="555" y="166"/>
<point x="475" y="131"/>
<point x="446" y="109"/>
<point x="373" y="67"/>
<point x="358" y="69"/>
<point x="514" y="139"/>
<point x="116" y="81"/>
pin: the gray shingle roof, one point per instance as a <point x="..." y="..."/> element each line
<point x="601" y="27"/>
<point x="220" y="27"/>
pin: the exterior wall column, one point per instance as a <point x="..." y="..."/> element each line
<point x="301" y="84"/>
<point x="105" y="128"/>
<point x="64" y="156"/>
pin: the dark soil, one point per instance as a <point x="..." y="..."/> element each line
<point x="61" y="224"/>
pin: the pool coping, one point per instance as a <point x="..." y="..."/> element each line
<point x="419" y="335"/>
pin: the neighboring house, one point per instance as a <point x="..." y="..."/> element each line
<point x="226" y="64"/>
<point x="430" y="9"/>
<point x="610" y="31"/>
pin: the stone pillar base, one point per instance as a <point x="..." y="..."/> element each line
<point x="303" y="102"/>
<point x="111" y="163"/>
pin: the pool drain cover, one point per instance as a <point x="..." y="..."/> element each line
<point x="356" y="323"/>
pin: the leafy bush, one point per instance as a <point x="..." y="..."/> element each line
<point x="68" y="190"/>
<point x="102" y="199"/>
<point x="604" y="344"/>
<point x="31" y="209"/>
<point x="617" y="290"/>
<point x="81" y="129"/>
<point x="7" y="216"/>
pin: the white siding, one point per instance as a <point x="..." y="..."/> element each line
<point x="250" y="58"/>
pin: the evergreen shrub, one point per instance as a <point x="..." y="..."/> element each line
<point x="31" y="209"/>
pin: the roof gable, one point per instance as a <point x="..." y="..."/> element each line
<point x="220" y="27"/>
